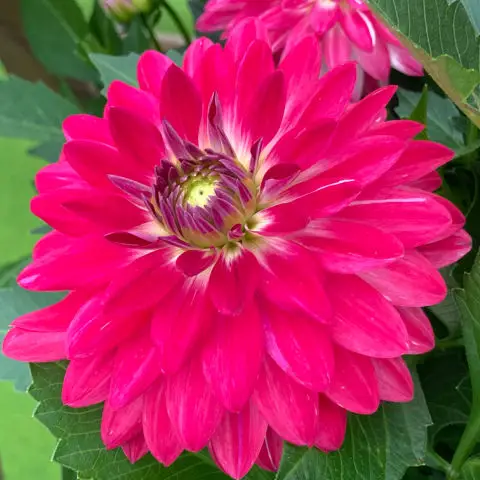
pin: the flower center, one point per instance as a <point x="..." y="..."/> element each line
<point x="199" y="191"/>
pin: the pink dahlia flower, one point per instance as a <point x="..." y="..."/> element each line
<point x="246" y="254"/>
<point x="346" y="29"/>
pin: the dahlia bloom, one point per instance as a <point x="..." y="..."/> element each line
<point x="346" y="29"/>
<point x="246" y="254"/>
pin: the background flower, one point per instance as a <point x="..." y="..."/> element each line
<point x="246" y="253"/>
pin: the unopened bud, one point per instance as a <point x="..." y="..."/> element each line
<point x="124" y="10"/>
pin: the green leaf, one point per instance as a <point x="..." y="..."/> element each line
<point x="116" y="68"/>
<point x="102" y="28"/>
<point x="136" y="40"/>
<point x="49" y="150"/>
<point x="31" y="110"/>
<point x="55" y="30"/>
<point x="175" y="56"/>
<point x="380" y="446"/>
<point x="442" y="36"/>
<point x="419" y="113"/>
<point x="471" y="469"/>
<point x="15" y="302"/>
<point x="81" y="449"/>
<point x="442" y="117"/>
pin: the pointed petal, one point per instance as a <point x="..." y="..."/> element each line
<point x="354" y="387"/>
<point x="447" y="251"/>
<point x="135" y="448"/>
<point x="420" y="332"/>
<point x="194" y="55"/>
<point x="271" y="452"/>
<point x="332" y="425"/>
<point x="233" y="356"/>
<point x="337" y="49"/>
<point x="162" y="442"/>
<point x="408" y="282"/>
<point x="193" y="262"/>
<point x="238" y="440"/>
<point x="300" y="346"/>
<point x="402" y="129"/>
<point x="193" y="409"/>
<point x="395" y="383"/>
<point x="151" y="69"/>
<point x="290" y="409"/>
<point x="244" y="33"/>
<point x="86" y="127"/>
<point x="357" y="30"/>
<point x="87" y="381"/>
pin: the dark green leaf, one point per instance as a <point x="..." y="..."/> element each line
<point x="442" y="116"/>
<point x="136" y="41"/>
<point x="419" y="113"/>
<point x="49" y="150"/>
<point x="15" y="302"/>
<point x="55" y="30"/>
<point x="442" y="36"/>
<point x="31" y="110"/>
<point x="175" y="56"/>
<point x="103" y="29"/>
<point x="81" y="449"/>
<point x="116" y="68"/>
<point x="377" y="447"/>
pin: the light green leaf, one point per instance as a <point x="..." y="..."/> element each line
<point x="31" y="110"/>
<point x="377" y="447"/>
<point x="175" y="56"/>
<point x="442" y="116"/>
<point x="81" y="449"/>
<point x="116" y="68"/>
<point x="473" y="9"/>
<point x="442" y="36"/>
<point x="471" y="469"/>
<point x="55" y="30"/>
<point x="15" y="302"/>
<point x="86" y="7"/>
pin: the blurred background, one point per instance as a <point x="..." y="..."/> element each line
<point x="25" y="444"/>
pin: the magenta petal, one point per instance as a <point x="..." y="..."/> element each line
<point x="82" y="126"/>
<point x="420" y="332"/>
<point x="87" y="381"/>
<point x="290" y="409"/>
<point x="357" y="29"/>
<point x="363" y="320"/>
<point x="447" y="251"/>
<point x="238" y="440"/>
<point x="151" y="69"/>
<point x="354" y="385"/>
<point x="300" y="346"/>
<point x="350" y="247"/>
<point x="244" y="33"/>
<point x="178" y="324"/>
<point x="193" y="262"/>
<point x="332" y="424"/>
<point x="409" y="282"/>
<point x="233" y="281"/>
<point x="194" y="55"/>
<point x="120" y="426"/>
<point x="193" y="409"/>
<point x="271" y="452"/>
<point x="233" y="356"/>
<point x="135" y="448"/>
<point x="162" y="442"/>
<point x="26" y="346"/>
<point x="395" y="383"/>
<point x="136" y="366"/>
<point x="403" y="129"/>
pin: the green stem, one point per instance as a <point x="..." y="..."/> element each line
<point x="178" y="22"/>
<point x="151" y="33"/>
<point x="437" y="462"/>
<point x="449" y="343"/>
<point x="467" y="444"/>
<point x="68" y="474"/>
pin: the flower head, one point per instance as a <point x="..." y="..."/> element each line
<point x="124" y="10"/>
<point x="346" y="29"/>
<point x="247" y="254"/>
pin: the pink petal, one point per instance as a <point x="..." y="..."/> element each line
<point x="402" y="129"/>
<point x="162" y="442"/>
<point x="364" y="322"/>
<point x="57" y="175"/>
<point x="87" y="381"/>
<point x="93" y="331"/>
<point x="296" y="289"/>
<point x="194" y="55"/>
<point x="120" y="426"/>
<point x="180" y="103"/>
<point x="349" y="247"/>
<point x="290" y="409"/>
<point x="86" y="127"/>
<point x="26" y="346"/>
<point x="137" y="137"/>
<point x="377" y="62"/>
<point x="233" y="356"/>
<point x="421" y="337"/>
<point x="135" y="448"/>
<point x="357" y="30"/>
<point x="237" y="441"/>
<point x="300" y="346"/>
<point x="430" y="182"/>
<point x="447" y="251"/>
<point x="233" y="281"/>
<point x="136" y="366"/>
<point x="271" y="452"/>
<point x="54" y="318"/>
<point x="337" y="49"/>
<point x="323" y="16"/>
<point x="179" y="323"/>
<point x="420" y="158"/>
<point x="244" y="33"/>
<point x="402" y="60"/>
<point x="413" y="216"/>
<point x="354" y="386"/>
<point x="151" y="69"/>
<point x="193" y="262"/>
<point x="395" y="383"/>
<point x="409" y="282"/>
<point x="332" y="425"/>
<point x="193" y="409"/>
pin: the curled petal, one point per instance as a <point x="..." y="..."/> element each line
<point x="271" y="452"/>
<point x="332" y="425"/>
<point x="395" y="383"/>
